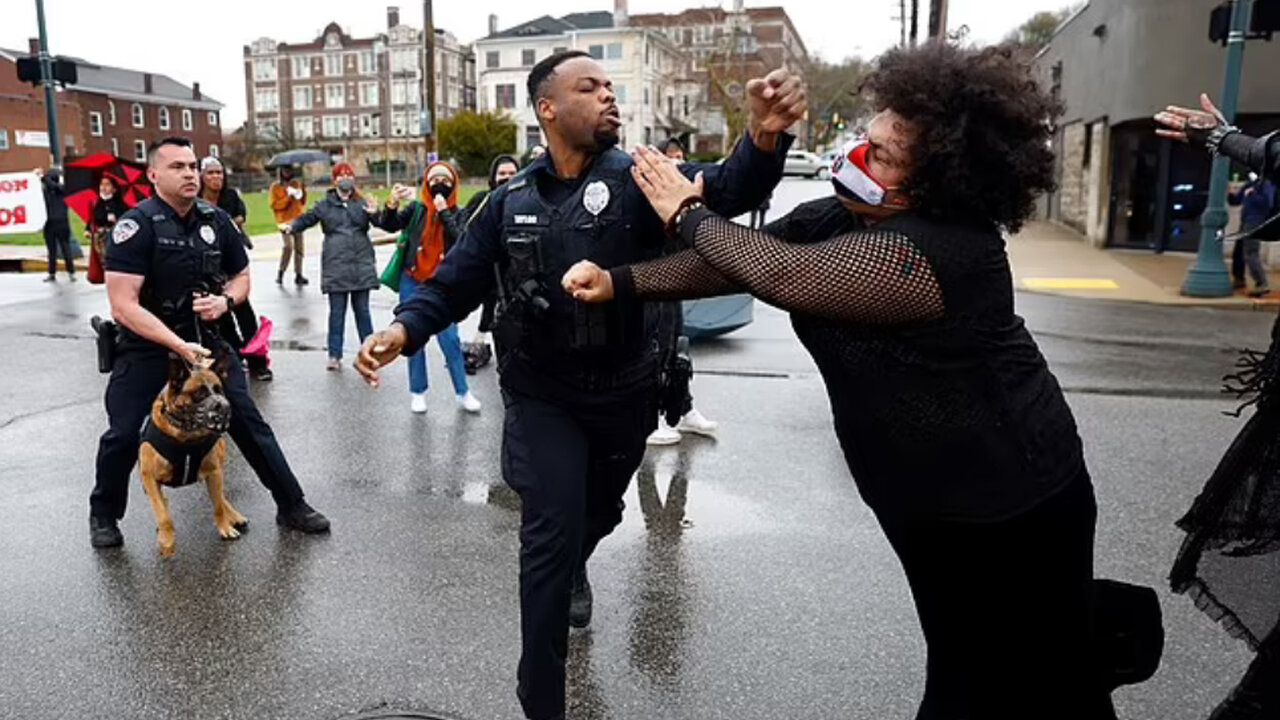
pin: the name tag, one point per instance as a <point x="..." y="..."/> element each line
<point x="526" y="219"/>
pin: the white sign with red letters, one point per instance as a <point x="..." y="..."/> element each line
<point x="21" y="203"/>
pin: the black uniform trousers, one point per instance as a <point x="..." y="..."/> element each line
<point x="136" y="379"/>
<point x="571" y="463"/>
<point x="238" y="327"/>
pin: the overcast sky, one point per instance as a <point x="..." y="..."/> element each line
<point x="170" y="37"/>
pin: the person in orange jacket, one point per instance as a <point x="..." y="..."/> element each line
<point x="288" y="201"/>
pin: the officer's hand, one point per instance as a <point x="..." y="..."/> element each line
<point x="380" y="349"/>
<point x="587" y="282"/>
<point x="193" y="353"/>
<point x="209" y="307"/>
<point x="777" y="101"/>
<point x="665" y="186"/>
<point x="1184" y="124"/>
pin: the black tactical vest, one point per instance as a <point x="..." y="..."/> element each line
<point x="601" y="223"/>
<point x="182" y="262"/>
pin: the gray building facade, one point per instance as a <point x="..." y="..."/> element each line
<point x="1114" y="64"/>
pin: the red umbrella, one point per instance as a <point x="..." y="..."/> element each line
<point x="84" y="174"/>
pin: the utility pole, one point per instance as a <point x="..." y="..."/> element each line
<point x="429" y="37"/>
<point x="938" y="20"/>
<point x="1208" y="276"/>
<point x="902" y="21"/>
<point x="46" y="79"/>
<point x="915" y="21"/>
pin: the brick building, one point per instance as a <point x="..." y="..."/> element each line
<point x="362" y="99"/>
<point x="726" y="49"/>
<point x="108" y="109"/>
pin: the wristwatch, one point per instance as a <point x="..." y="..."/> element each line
<point x="231" y="302"/>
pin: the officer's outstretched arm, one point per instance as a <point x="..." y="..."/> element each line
<point x="123" y="292"/>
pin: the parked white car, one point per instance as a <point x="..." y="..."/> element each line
<point x="802" y="162"/>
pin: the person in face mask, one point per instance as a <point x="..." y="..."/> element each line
<point x="347" y="266"/>
<point x="953" y="427"/>
<point x="434" y="224"/>
<point x="477" y="352"/>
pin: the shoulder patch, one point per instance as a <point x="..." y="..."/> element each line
<point x="124" y="230"/>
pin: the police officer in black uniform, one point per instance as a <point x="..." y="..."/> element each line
<point x="174" y="266"/>
<point x="579" y="382"/>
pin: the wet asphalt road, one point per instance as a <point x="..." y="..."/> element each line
<point x="747" y="580"/>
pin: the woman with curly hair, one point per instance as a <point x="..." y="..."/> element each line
<point x="954" y="429"/>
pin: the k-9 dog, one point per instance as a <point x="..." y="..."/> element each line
<point x="182" y="443"/>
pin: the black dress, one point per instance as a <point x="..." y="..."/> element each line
<point x="954" y="430"/>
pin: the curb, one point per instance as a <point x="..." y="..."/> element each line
<point x="1245" y="304"/>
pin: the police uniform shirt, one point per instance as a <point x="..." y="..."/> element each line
<point x="133" y="242"/>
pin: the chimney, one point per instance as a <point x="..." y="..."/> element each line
<point x="393" y="16"/>
<point x="195" y="91"/>
<point x="493" y="24"/>
<point x="737" y="6"/>
<point x="619" y="13"/>
<point x="33" y="46"/>
<point x="146" y="83"/>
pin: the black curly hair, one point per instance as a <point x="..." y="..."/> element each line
<point x="983" y="151"/>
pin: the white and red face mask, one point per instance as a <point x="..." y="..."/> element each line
<point x="853" y="180"/>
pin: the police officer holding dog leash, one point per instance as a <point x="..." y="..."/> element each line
<point x="175" y="265"/>
<point x="579" y="381"/>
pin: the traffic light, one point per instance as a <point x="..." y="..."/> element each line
<point x="1264" y="21"/>
<point x="64" y="71"/>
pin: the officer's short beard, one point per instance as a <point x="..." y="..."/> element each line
<point x="604" y="140"/>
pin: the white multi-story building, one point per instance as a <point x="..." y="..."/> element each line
<point x="362" y="99"/>
<point x="650" y="74"/>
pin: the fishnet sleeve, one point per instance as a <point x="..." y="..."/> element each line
<point x="868" y="276"/>
<point x="681" y="276"/>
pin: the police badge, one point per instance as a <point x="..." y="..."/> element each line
<point x="207" y="234"/>
<point x="596" y="197"/>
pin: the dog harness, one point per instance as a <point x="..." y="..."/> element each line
<point x="185" y="457"/>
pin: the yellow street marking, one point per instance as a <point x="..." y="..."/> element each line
<point x="1069" y="284"/>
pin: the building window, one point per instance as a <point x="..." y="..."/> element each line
<point x="620" y="94"/>
<point x="368" y="94"/>
<point x="269" y="129"/>
<point x="333" y="97"/>
<point x="4" y="139"/>
<point x="399" y="124"/>
<point x="303" y="128"/>
<point x="213" y="119"/>
<point x="213" y="150"/>
<point x="95" y="124"/>
<point x="302" y="98"/>
<point x="164" y="118"/>
<point x="528" y="58"/>
<point x="596" y="52"/>
<point x="138" y="119"/>
<point x="613" y="51"/>
<point x="139" y="151"/>
<point x="560" y="49"/>
<point x="505" y="98"/>
<point x="491" y="59"/>
<point x="264" y="100"/>
<point x="349" y="63"/>
<point x="264" y="69"/>
<point x="69" y="142"/>
<point x="333" y="65"/>
<point x="302" y="67"/>
<point x="111" y="112"/>
<point x="532" y="136"/>
<point x="404" y="92"/>
<point x="404" y="60"/>
<point x="686" y="105"/>
<point x="368" y="63"/>
<point x="115" y="147"/>
<point x="648" y="136"/>
<point x="646" y="101"/>
<point x="369" y="125"/>
<point x="336" y="126"/>
<point x="671" y="105"/>
<point x="646" y="53"/>
<point x="187" y="123"/>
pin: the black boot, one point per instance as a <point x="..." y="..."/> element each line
<point x="300" y="280"/>
<point x="280" y="278"/>
<point x="580" y="600"/>
<point x="104" y="533"/>
<point x="303" y="518"/>
<point x="1258" y="694"/>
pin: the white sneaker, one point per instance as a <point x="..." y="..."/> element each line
<point x="694" y="422"/>
<point x="664" y="435"/>
<point x="469" y="402"/>
<point x="417" y="402"/>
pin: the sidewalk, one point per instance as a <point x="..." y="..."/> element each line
<point x="1051" y="259"/>
<point x="33" y="259"/>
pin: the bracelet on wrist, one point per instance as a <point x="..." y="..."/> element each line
<point x="688" y="205"/>
<point x="1219" y="133"/>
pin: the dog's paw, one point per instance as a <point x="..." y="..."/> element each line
<point x="166" y="544"/>
<point x="228" y="532"/>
